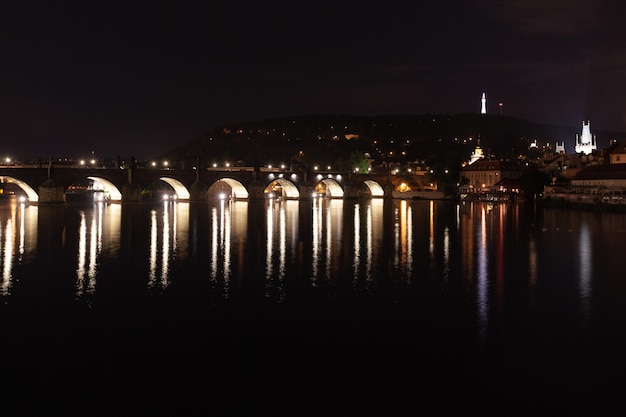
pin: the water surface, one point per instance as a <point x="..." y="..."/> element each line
<point x="355" y="307"/>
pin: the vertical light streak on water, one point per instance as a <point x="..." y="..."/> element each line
<point x="239" y="233"/>
<point x="376" y="227"/>
<point x="409" y="243"/>
<point x="431" y="229"/>
<point x="586" y="256"/>
<point x="214" y="239"/>
<point x="94" y="244"/>
<point x="29" y="238"/>
<point x="292" y="208"/>
<point x="369" y="244"/>
<point x="165" y="245"/>
<point x="99" y="217"/>
<point x="431" y="235"/>
<point x="282" y="242"/>
<point x="397" y="243"/>
<point x="403" y="238"/>
<point x="22" y="232"/>
<point x="282" y="251"/>
<point x="446" y="254"/>
<point x="226" y="245"/>
<point x="8" y="238"/>
<point x="402" y="252"/>
<point x="467" y="247"/>
<point x="269" y="245"/>
<point x="499" y="255"/>
<point x="357" y="243"/>
<point x="82" y="254"/>
<point x="112" y="226"/>
<point x="315" y="239"/>
<point x="152" y="260"/>
<point x="175" y="229"/>
<point x="482" y="302"/>
<point x="329" y="238"/>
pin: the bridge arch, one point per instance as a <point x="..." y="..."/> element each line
<point x="100" y="183"/>
<point x="182" y="193"/>
<point x="374" y="188"/>
<point x="281" y="187"/>
<point x="31" y="194"/>
<point x="330" y="188"/>
<point x="228" y="189"/>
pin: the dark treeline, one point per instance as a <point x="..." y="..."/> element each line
<point x="336" y="140"/>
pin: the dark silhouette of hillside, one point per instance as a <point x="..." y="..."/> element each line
<point x="336" y="140"/>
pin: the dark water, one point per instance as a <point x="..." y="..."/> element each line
<point x="351" y="308"/>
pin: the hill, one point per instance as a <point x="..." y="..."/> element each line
<point x="335" y="140"/>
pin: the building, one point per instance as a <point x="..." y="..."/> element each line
<point x="617" y="153"/>
<point x="559" y="147"/>
<point x="586" y="142"/>
<point x="604" y="181"/>
<point x="478" y="154"/>
<point x="484" y="175"/>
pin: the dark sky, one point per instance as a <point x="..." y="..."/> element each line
<point x="140" y="78"/>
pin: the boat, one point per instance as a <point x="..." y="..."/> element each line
<point x="86" y="194"/>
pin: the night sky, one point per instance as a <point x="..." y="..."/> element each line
<point x="129" y="78"/>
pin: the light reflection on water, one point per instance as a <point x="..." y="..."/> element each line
<point x="432" y="247"/>
<point x="464" y="282"/>
<point x="18" y="239"/>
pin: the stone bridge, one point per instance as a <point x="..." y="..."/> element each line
<point x="48" y="185"/>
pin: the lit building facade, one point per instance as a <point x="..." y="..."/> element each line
<point x="585" y="142"/>
<point x="483" y="175"/>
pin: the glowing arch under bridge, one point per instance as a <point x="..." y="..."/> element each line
<point x="375" y="189"/>
<point x="285" y="188"/>
<point x="228" y="188"/>
<point x="28" y="190"/>
<point x="182" y="193"/>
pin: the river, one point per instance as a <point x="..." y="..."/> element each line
<point x="314" y="307"/>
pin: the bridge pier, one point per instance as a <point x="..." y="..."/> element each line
<point x="256" y="190"/>
<point x="131" y="193"/>
<point x="198" y="191"/>
<point x="388" y="190"/>
<point x="51" y="192"/>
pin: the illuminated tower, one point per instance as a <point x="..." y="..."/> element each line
<point x="478" y="153"/>
<point x="560" y="147"/>
<point x="585" y="143"/>
<point x="483" y="105"/>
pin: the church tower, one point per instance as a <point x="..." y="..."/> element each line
<point x="478" y="153"/>
<point x="585" y="143"/>
<point x="483" y="105"/>
<point x="560" y="147"/>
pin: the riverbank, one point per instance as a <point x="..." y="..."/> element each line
<point x="572" y="203"/>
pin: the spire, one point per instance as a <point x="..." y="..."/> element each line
<point x="483" y="105"/>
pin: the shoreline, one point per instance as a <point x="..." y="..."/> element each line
<point x="598" y="206"/>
